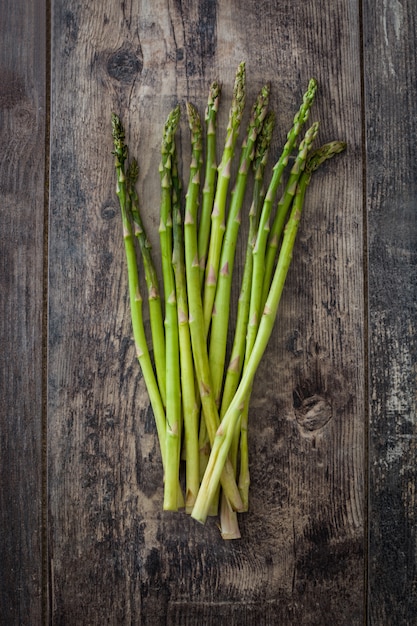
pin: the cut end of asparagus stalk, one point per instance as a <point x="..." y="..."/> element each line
<point x="229" y="527"/>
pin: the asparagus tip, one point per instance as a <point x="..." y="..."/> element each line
<point x="117" y="127"/>
<point x="323" y="153"/>
<point x="239" y="95"/>
<point x="120" y="148"/>
<point x="264" y="140"/>
<point x="214" y="92"/>
<point x="133" y="171"/>
<point x="193" y="118"/>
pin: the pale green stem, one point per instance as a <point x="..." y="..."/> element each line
<point x="189" y="403"/>
<point x="196" y="319"/>
<point x="218" y="219"/>
<point x="154" y="300"/>
<point x="225" y="432"/>
<point x="210" y="176"/>
<point x="173" y="385"/>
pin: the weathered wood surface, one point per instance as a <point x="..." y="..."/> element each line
<point x="391" y="134"/>
<point x="22" y="167"/>
<point x="113" y="556"/>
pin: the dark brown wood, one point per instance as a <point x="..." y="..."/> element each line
<point x="391" y="134"/>
<point x="22" y="166"/>
<point x="114" y="556"/>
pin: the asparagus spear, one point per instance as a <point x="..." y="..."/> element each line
<point x="259" y="249"/>
<point x="142" y="352"/>
<point x="196" y="319"/>
<point x="189" y="402"/>
<point x="219" y="206"/>
<point x="224" y="435"/>
<point x="210" y="176"/>
<point x="154" y="300"/>
<point x="262" y="281"/>
<point x="282" y="210"/>
<point x="221" y="309"/>
<point x="238" y="349"/>
<point x="314" y="160"/>
<point x="173" y="388"/>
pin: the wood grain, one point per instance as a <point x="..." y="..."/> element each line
<point x="115" y="557"/>
<point x="391" y="133"/>
<point x="22" y="166"/>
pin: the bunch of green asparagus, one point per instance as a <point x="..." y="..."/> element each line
<point x="199" y="385"/>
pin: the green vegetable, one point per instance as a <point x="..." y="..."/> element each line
<point x="209" y="188"/>
<point x="173" y="388"/>
<point x="224" y="434"/>
<point x="218" y="215"/>
<point x="263" y="230"/>
<point x="190" y="404"/>
<point x="198" y="337"/>
<point x="202" y="411"/>
<point x="154" y="299"/>
<point x="221" y="309"/>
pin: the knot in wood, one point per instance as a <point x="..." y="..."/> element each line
<point x="124" y="65"/>
<point x="314" y="412"/>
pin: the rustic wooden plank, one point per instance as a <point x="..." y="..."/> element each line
<point x="391" y="133"/>
<point x="22" y="137"/>
<point x="115" y="557"/>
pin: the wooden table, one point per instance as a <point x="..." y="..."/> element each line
<point x="331" y="533"/>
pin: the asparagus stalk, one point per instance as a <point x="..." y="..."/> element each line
<point x="142" y="352"/>
<point x="189" y="402"/>
<point x="196" y="319"/>
<point x="260" y="245"/>
<point x="238" y="349"/>
<point x="219" y="207"/>
<point x="154" y="300"/>
<point x="224" y="435"/>
<point x="283" y="208"/>
<point x="210" y="176"/>
<point x="261" y="282"/>
<point x="221" y="309"/>
<point x="173" y="388"/>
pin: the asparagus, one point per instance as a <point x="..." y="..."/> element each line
<point x="184" y="373"/>
<point x="173" y="388"/>
<point x="154" y="300"/>
<point x="224" y="434"/>
<point x="142" y="352"/>
<point x="210" y="176"/>
<point x="238" y="349"/>
<point x="261" y="282"/>
<point x="263" y="230"/>
<point x="189" y="401"/>
<point x="282" y="210"/>
<point x="219" y="206"/>
<point x="196" y="319"/>
<point x="221" y="309"/>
